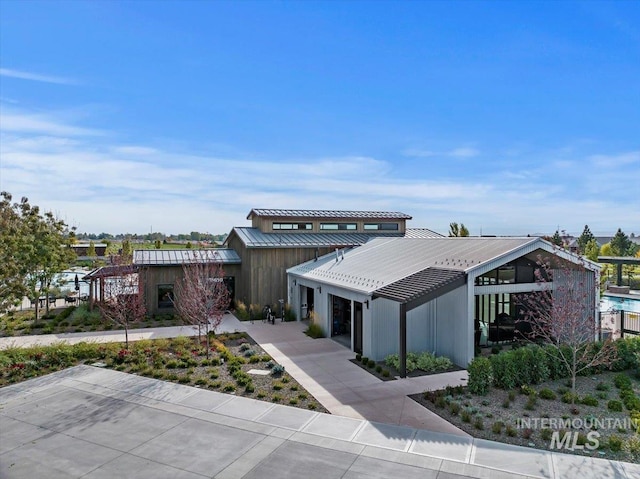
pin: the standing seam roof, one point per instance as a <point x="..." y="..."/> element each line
<point x="152" y="257"/>
<point x="327" y="214"/>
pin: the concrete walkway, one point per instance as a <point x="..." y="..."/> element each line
<point x="322" y="366"/>
<point x="92" y="423"/>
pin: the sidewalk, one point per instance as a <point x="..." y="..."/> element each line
<point x="93" y="423"/>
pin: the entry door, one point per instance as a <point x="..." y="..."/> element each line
<point x="357" y="327"/>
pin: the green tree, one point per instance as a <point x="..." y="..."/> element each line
<point x="12" y="244"/>
<point x="189" y="245"/>
<point x="556" y="239"/>
<point x="584" y="239"/>
<point x="45" y="251"/>
<point x="456" y="230"/>
<point x="158" y="244"/>
<point x="591" y="250"/>
<point x="606" y="250"/>
<point x="621" y="245"/>
<point x="127" y="250"/>
<point x="91" y="251"/>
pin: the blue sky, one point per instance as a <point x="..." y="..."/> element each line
<point x="512" y="117"/>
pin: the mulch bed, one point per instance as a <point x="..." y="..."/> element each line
<point x="394" y="374"/>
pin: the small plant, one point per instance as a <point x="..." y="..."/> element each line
<point x="547" y="393"/>
<point x="454" y="408"/>
<point x="546" y="433"/>
<point x="249" y="388"/>
<point x="303" y="396"/>
<point x="465" y="416"/>
<point x="358" y="357"/>
<point x="478" y="424"/>
<point x="574" y="410"/>
<point x="229" y="387"/>
<point x="528" y="390"/>
<point x="569" y="398"/>
<point x="614" y="405"/>
<point x="378" y="368"/>
<point x="512" y="395"/>
<point x="386" y="373"/>
<point x="293" y="401"/>
<point x="276" y="398"/>
<point x="440" y="402"/>
<point x="365" y="360"/>
<point x="602" y="387"/>
<point x="602" y="395"/>
<point x="497" y="427"/>
<point x="615" y="443"/>
<point x="506" y="403"/>
<point x="261" y="395"/>
<point x="531" y="403"/>
<point x="527" y="433"/>
<point x="511" y="431"/>
<point x="589" y="400"/>
<point x="371" y="363"/>
<point x="622" y="381"/>
<point x="277" y="386"/>
<point x="277" y="370"/>
<point x="293" y="387"/>
<point x="201" y="382"/>
<point x="312" y="406"/>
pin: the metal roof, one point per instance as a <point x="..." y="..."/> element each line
<point x="111" y="271"/>
<point x="421" y="287"/>
<point x="421" y="233"/>
<point x="159" y="257"/>
<point x="254" y="238"/>
<point x="327" y="214"/>
<point x="383" y="261"/>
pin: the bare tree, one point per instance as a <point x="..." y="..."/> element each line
<point x="124" y="302"/>
<point x="562" y="315"/>
<point x="201" y="295"/>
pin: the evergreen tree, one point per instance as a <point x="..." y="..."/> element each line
<point x="91" y="251"/>
<point x="591" y="250"/>
<point x="556" y="239"/>
<point x="584" y="239"/>
<point x="621" y="245"/>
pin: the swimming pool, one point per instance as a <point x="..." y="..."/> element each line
<point x="614" y="302"/>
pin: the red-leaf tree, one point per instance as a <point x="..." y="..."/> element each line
<point x="201" y="295"/>
<point x="124" y="300"/>
<point x="562" y="315"/>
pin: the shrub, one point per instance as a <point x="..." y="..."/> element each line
<point x="602" y="387"/>
<point x="480" y="376"/>
<point x="528" y="390"/>
<point x="314" y="331"/>
<point x="602" y="395"/>
<point x="506" y="403"/>
<point x="527" y="433"/>
<point x="512" y="395"/>
<point x="570" y="398"/>
<point x="365" y="360"/>
<point x="249" y="353"/>
<point x="589" y="400"/>
<point x="531" y="403"/>
<point x="547" y="393"/>
<point x="293" y="401"/>
<point x="378" y="368"/>
<point x="245" y="346"/>
<point x="622" y="381"/>
<point x="277" y="370"/>
<point x="302" y="396"/>
<point x="465" y="415"/>
<point x="249" y="388"/>
<point x="615" y="443"/>
<point x="478" y="424"/>
<point x="277" y="386"/>
<point x="371" y="363"/>
<point x="497" y="426"/>
<point x="276" y="398"/>
<point x="546" y="433"/>
<point x="358" y="357"/>
<point x="454" y="408"/>
<point x="229" y="387"/>
<point x="201" y="382"/>
<point x="632" y="445"/>
<point x="505" y="371"/>
<point x="311" y="406"/>
<point x="511" y="431"/>
<point x="386" y="373"/>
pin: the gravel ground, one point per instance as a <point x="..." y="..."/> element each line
<point x="527" y="423"/>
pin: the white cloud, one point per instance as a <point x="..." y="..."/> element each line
<point x="36" y="123"/>
<point x="100" y="184"/>
<point x="463" y="153"/>
<point x="22" y="75"/>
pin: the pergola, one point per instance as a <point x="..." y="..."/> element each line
<point x="97" y="276"/>
<point x="619" y="261"/>
<point x="416" y="290"/>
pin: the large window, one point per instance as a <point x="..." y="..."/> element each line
<point x="489" y="306"/>
<point x="382" y="226"/>
<point x="339" y="226"/>
<point x="165" y="296"/>
<point x="292" y="226"/>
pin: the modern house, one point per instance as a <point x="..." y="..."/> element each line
<point x="159" y="271"/>
<point x="280" y="238"/>
<point x="394" y="295"/>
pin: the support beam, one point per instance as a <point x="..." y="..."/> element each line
<point x="403" y="340"/>
<point x="619" y="274"/>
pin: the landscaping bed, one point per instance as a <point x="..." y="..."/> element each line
<point x="519" y="416"/>
<point x="182" y="360"/>
<point x="71" y="319"/>
<point x="422" y="364"/>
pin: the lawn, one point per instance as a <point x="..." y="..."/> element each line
<point x="236" y="365"/>
<point x="71" y="319"/>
